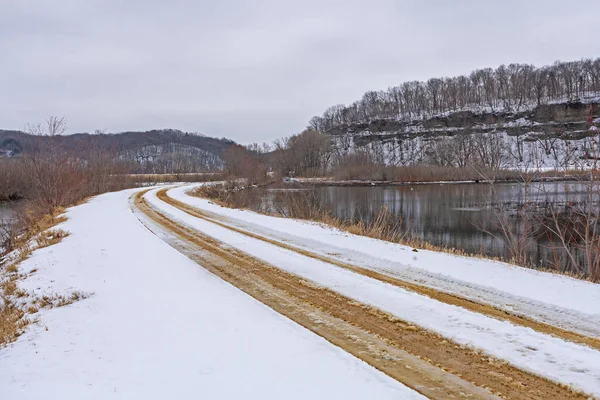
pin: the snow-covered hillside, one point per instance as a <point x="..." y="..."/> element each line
<point x="553" y="136"/>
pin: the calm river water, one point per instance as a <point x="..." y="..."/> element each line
<point x="461" y="216"/>
<point x="6" y="211"/>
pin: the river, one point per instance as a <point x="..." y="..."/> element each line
<point x="468" y="217"/>
<point x="6" y="211"/>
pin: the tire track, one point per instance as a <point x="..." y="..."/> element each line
<point x="448" y="298"/>
<point x="422" y="360"/>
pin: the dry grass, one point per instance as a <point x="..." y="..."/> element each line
<point x="59" y="300"/>
<point x="12" y="322"/>
<point x="33" y="222"/>
<point x="12" y="317"/>
<point x="13" y="310"/>
<point x="354" y="173"/>
<point x="50" y="237"/>
<point x="386" y="227"/>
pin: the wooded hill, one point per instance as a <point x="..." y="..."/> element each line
<point x="525" y="116"/>
<point x="507" y="89"/>
<point x="166" y="150"/>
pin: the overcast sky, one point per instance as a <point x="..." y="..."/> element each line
<point x="257" y="70"/>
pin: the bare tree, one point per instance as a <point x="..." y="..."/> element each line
<point x="509" y="88"/>
<point x="55" y="172"/>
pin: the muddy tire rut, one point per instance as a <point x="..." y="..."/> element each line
<point x="448" y="298"/>
<point x="422" y="360"/>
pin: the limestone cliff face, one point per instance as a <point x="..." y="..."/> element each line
<point x="546" y="136"/>
<point x="568" y="120"/>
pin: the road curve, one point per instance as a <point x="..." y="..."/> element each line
<point x="422" y="360"/>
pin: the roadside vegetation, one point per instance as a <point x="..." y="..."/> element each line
<point x="46" y="180"/>
<point x="18" y="307"/>
<point x="41" y="182"/>
<point x="307" y="205"/>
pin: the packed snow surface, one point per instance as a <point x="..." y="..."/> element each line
<point x="158" y="326"/>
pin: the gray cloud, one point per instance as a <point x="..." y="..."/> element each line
<point x="257" y="70"/>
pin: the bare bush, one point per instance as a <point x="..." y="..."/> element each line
<point x="516" y="230"/>
<point x="241" y="162"/>
<point x="9" y="235"/>
<point x="13" y="180"/>
<point x="572" y="227"/>
<point x="13" y="227"/>
<point x="306" y="154"/>
<point x="56" y="174"/>
<point x="576" y="225"/>
<point x="51" y="175"/>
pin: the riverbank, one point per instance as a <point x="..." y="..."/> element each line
<point x="533" y="178"/>
<point x="482" y="220"/>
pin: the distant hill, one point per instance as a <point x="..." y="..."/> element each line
<point x="155" y="151"/>
<point x="19" y="141"/>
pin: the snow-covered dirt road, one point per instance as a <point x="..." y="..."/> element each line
<point x="540" y="348"/>
<point x="157" y="326"/>
<point x="191" y="299"/>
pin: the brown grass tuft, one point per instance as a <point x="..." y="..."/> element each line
<point x="62" y="301"/>
<point x="12" y="322"/>
<point x="50" y="237"/>
<point x="32" y="310"/>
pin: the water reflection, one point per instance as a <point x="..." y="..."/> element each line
<point x="440" y="214"/>
<point x="6" y="211"/>
<point x="462" y="216"/>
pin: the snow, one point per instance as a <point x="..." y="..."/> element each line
<point x="556" y="299"/>
<point x="159" y="326"/>
<point x="538" y="151"/>
<point x="541" y="354"/>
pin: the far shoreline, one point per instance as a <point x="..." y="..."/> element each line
<point x="370" y="183"/>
